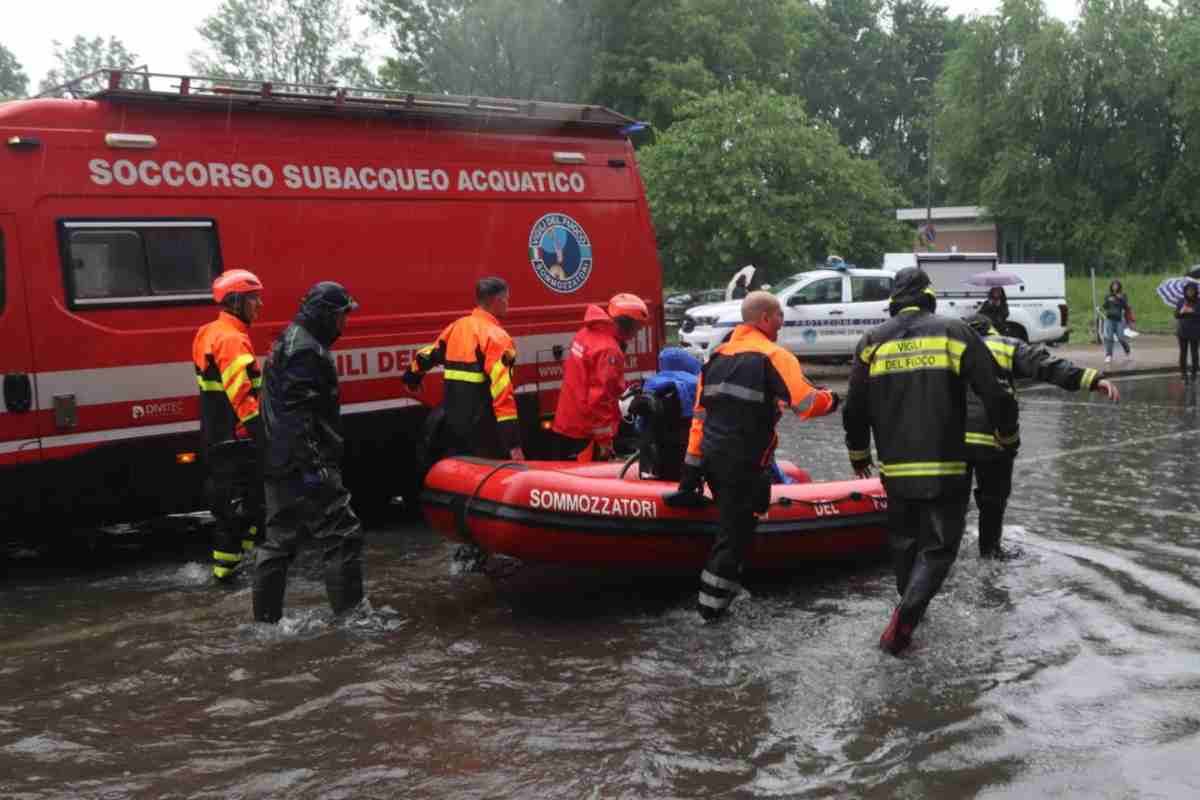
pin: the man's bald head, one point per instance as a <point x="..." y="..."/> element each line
<point x="761" y="310"/>
<point x="756" y="304"/>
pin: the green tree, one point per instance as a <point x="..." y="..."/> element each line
<point x="84" y="57"/>
<point x="530" y="49"/>
<point x="745" y="176"/>
<point x="296" y="41"/>
<point x="1071" y="134"/>
<point x="13" y="81"/>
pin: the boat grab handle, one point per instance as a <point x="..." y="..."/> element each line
<point x="463" y="531"/>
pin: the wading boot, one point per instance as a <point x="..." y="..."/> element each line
<point x="269" y="586"/>
<point x="897" y="636"/>
<point x="343" y="576"/>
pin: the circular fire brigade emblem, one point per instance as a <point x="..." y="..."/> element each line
<point x="560" y="252"/>
<point x="1048" y="318"/>
<point x="810" y="336"/>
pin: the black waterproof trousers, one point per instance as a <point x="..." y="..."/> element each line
<point x="235" y="497"/>
<point x="1186" y="345"/>
<point x="295" y="514"/>
<point x="993" y="485"/>
<point x="739" y="495"/>
<point x="924" y="536"/>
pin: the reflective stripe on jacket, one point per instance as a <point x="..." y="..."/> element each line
<point x="478" y="357"/>
<point x="1015" y="359"/>
<point x="741" y="392"/>
<point x="593" y="381"/>
<point x="908" y="387"/>
<point x="228" y="377"/>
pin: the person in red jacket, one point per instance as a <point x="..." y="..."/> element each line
<point x="587" y="416"/>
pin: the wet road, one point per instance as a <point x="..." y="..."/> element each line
<point x="1073" y="671"/>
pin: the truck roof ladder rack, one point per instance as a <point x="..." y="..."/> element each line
<point x="140" y="85"/>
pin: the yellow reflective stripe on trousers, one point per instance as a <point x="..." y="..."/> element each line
<point x="982" y="439"/>
<point x="923" y="469"/>
<point x="464" y="376"/>
<point x="1089" y="378"/>
<point x="209" y="386"/>
<point x="228" y="558"/>
<point x="859" y="455"/>
<point x="506" y="418"/>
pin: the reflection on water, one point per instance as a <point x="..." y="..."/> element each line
<point x="1069" y="672"/>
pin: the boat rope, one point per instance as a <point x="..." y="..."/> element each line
<point x="463" y="530"/>
<point x="629" y="462"/>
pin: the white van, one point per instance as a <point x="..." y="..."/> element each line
<point x="825" y="313"/>
<point x="1037" y="306"/>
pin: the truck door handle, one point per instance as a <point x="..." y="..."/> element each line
<point x="18" y="393"/>
<point x="835" y="312"/>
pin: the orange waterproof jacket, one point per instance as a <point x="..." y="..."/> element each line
<point x="228" y="377"/>
<point x="478" y="356"/>
<point x="743" y="389"/>
<point x="593" y="381"/>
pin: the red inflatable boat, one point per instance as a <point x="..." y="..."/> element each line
<point x="593" y="515"/>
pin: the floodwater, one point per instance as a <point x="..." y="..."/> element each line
<point x="1073" y="671"/>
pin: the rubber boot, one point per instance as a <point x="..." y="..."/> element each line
<point x="897" y="636"/>
<point x="269" y="586"/>
<point x="991" y="527"/>
<point x="343" y="575"/>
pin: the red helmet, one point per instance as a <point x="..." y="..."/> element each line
<point x="235" y="281"/>
<point x="628" y="305"/>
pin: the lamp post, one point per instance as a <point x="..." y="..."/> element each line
<point x="928" y="164"/>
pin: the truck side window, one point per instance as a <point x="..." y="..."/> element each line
<point x="864" y="290"/>
<point x="132" y="262"/>
<point x="825" y="290"/>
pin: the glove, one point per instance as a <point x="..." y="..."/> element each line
<point x="837" y="401"/>
<point x="1011" y="444"/>
<point x="691" y="489"/>
<point x="412" y="379"/>
<point x="314" y="480"/>
<point x="254" y="426"/>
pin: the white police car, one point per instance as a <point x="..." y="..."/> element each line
<point x="825" y="313"/>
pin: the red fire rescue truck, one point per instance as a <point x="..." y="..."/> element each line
<point x="117" y="209"/>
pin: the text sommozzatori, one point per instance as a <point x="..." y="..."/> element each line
<point x="326" y="177"/>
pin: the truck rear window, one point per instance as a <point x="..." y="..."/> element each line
<point x="863" y="289"/>
<point x="112" y="263"/>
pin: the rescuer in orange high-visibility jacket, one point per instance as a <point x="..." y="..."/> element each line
<point x="229" y="381"/>
<point x="742" y="392"/>
<point x="588" y="415"/>
<point x="478" y="357"/>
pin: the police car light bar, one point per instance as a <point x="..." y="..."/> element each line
<point x="130" y="141"/>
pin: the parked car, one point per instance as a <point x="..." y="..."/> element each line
<point x="825" y="313"/>
<point x="676" y="305"/>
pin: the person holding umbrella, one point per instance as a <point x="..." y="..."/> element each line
<point x="1117" y="313"/>
<point x="1187" y="312"/>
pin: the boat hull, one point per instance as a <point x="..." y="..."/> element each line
<point x="586" y="515"/>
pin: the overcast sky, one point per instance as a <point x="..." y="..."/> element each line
<point x="163" y="32"/>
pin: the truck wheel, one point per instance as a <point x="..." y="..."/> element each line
<point x="1017" y="332"/>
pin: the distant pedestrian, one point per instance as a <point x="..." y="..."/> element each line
<point x="739" y="288"/>
<point x="1187" y="311"/>
<point x="995" y="307"/>
<point x="1117" y="315"/>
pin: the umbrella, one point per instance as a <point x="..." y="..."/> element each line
<point x="994" y="278"/>
<point x="1171" y="290"/>
<point x="748" y="272"/>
